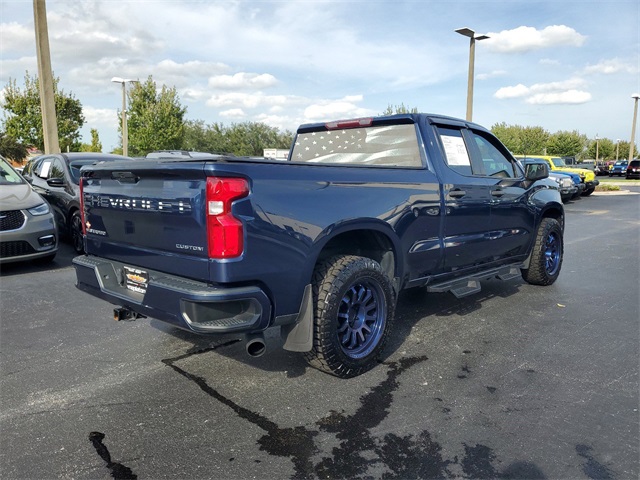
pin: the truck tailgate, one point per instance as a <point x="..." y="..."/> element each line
<point x="136" y="210"/>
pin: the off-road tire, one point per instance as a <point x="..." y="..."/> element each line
<point x="354" y="303"/>
<point x="588" y="192"/>
<point x="546" y="256"/>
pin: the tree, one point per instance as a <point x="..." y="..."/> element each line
<point x="95" y="146"/>
<point x="156" y="118"/>
<point x="606" y="149"/>
<point x="391" y="109"/>
<point x="623" y="150"/>
<point x="522" y="140"/>
<point x="10" y="148"/>
<point x="23" y="114"/>
<point x="247" y="138"/>
<point x="566" y="144"/>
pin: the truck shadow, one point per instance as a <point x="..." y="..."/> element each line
<point x="414" y="306"/>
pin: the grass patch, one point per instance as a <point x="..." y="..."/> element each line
<point x="605" y="187"/>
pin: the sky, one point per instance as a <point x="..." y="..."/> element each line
<point x="561" y="64"/>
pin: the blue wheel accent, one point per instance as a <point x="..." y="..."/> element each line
<point x="552" y="253"/>
<point x="361" y="319"/>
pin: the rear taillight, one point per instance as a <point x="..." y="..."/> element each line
<point x="225" y="233"/>
<point x="84" y="226"/>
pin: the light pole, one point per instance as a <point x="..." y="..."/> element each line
<point x="597" y="147"/>
<point x="635" y="96"/>
<point x="617" y="148"/>
<point x="125" y="133"/>
<point x="467" y="32"/>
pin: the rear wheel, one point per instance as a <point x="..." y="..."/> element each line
<point x="354" y="309"/>
<point x="546" y="256"/>
<point x="75" y="232"/>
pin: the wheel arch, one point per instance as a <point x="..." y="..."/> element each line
<point x="374" y="239"/>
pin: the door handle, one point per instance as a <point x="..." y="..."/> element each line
<point x="497" y="192"/>
<point x="457" y="193"/>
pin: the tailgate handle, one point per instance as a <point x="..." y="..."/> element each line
<point x="125" y="177"/>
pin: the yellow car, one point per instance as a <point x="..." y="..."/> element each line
<point x="557" y="164"/>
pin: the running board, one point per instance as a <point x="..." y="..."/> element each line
<point x="463" y="286"/>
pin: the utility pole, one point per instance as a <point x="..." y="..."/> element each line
<point x="45" y="76"/>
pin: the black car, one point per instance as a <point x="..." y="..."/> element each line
<point x="633" y="169"/>
<point x="55" y="177"/>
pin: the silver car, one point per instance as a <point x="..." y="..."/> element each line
<point x="27" y="227"/>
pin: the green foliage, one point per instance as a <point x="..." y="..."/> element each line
<point x="23" y="114"/>
<point x="522" y="140"/>
<point x="622" y="150"/>
<point x="11" y="149"/>
<point x="95" y="145"/>
<point x="155" y="118"/>
<point x="247" y="138"/>
<point x="606" y="149"/>
<point x="391" y="109"/>
<point x="566" y="144"/>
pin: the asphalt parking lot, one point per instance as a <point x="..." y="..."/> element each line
<point x="514" y="382"/>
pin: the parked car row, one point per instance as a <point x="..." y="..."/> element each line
<point x="587" y="177"/>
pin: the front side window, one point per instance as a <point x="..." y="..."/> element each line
<point x="495" y="163"/>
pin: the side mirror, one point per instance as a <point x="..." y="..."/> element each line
<point x="55" y="182"/>
<point x="536" y="171"/>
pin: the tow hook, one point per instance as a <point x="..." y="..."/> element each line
<point x="125" y="314"/>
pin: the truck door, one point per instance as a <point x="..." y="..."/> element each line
<point x="512" y="219"/>
<point x="467" y="201"/>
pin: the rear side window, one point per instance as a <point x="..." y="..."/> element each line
<point x="384" y="146"/>
<point x="474" y="153"/>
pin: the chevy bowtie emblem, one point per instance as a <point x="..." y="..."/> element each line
<point x="136" y="278"/>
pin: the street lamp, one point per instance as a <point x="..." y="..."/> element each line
<point x="467" y="32"/>
<point x="597" y="147"/>
<point x="125" y="133"/>
<point x="617" y="148"/>
<point x="635" y="96"/>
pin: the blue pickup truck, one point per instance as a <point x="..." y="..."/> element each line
<point x="319" y="245"/>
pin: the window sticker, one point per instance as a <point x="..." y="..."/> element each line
<point x="456" y="151"/>
<point x="46" y="165"/>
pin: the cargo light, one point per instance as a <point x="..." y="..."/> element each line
<point x="355" y="123"/>
<point x="225" y="233"/>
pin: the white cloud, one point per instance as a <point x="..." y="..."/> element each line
<point x="516" y="91"/>
<point x="100" y="117"/>
<point x="331" y="110"/>
<point x="570" y="97"/>
<point x="614" y="65"/>
<point x="243" y="80"/>
<point x="493" y="74"/>
<point x="16" y="38"/>
<point x="525" y="39"/>
<point x="564" y="92"/>
<point x="233" y="112"/>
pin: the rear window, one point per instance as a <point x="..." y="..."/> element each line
<point x="384" y="146"/>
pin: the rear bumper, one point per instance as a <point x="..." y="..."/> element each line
<point x="184" y="303"/>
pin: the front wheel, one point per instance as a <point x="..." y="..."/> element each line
<point x="546" y="256"/>
<point x="75" y="232"/>
<point x="354" y="310"/>
<point x="588" y="191"/>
